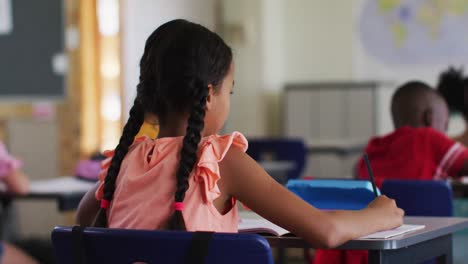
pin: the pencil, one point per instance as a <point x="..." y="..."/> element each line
<point x="371" y="174"/>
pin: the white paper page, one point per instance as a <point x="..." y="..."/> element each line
<point x="260" y="226"/>
<point x="393" y="232"/>
<point x="60" y="185"/>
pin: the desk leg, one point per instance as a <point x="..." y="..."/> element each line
<point x="440" y="248"/>
<point x="446" y="258"/>
<point x="281" y="257"/>
<point x="5" y="217"/>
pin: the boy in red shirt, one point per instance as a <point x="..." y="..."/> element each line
<point x="416" y="149"/>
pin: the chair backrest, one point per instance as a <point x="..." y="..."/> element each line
<point x="282" y="149"/>
<point x="421" y="198"/>
<point x="105" y="245"/>
<point x="334" y="194"/>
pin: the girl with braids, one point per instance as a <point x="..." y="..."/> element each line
<point x="453" y="86"/>
<point x="190" y="177"/>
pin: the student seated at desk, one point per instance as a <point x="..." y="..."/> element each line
<point x="417" y="149"/>
<point x="190" y="177"/>
<point x="15" y="182"/>
<point x="453" y="86"/>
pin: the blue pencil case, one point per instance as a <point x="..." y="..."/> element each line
<point x="334" y="194"/>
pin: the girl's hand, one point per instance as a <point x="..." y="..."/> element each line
<point x="386" y="212"/>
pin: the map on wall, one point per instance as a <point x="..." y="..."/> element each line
<point x="408" y="32"/>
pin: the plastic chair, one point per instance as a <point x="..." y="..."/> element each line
<point x="280" y="149"/>
<point x="105" y="245"/>
<point x="334" y="194"/>
<point x="421" y="198"/>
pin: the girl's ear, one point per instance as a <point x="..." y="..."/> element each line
<point x="210" y="98"/>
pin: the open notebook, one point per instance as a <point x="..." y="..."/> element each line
<point x="394" y="232"/>
<point x="263" y="226"/>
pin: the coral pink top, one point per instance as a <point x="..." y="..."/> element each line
<point x="146" y="184"/>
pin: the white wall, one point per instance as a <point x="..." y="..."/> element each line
<point x="318" y="40"/>
<point x="243" y="32"/>
<point x="285" y="41"/>
<point x="140" y="18"/>
<point x="300" y="41"/>
<point x="274" y="42"/>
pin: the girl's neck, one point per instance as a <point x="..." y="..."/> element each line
<point x="177" y="127"/>
<point x="172" y="130"/>
<point x="174" y="125"/>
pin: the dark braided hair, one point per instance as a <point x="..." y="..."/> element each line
<point x="181" y="59"/>
<point x="188" y="153"/>
<point x="131" y="128"/>
<point x="453" y="87"/>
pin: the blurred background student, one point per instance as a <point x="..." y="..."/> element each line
<point x="17" y="183"/>
<point x="453" y="86"/>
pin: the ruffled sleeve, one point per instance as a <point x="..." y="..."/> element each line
<point x="105" y="166"/>
<point x="8" y="163"/>
<point x="102" y="174"/>
<point x="212" y="151"/>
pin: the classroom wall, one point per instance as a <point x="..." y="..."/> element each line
<point x="274" y="42"/>
<point x="318" y="40"/>
<point x="285" y="42"/>
<point x="242" y="30"/>
<point x="269" y="44"/>
<point x="139" y="19"/>
<point x="300" y="41"/>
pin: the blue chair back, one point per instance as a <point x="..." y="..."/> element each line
<point x="281" y="149"/>
<point x="105" y="245"/>
<point x="421" y="198"/>
<point x="334" y="194"/>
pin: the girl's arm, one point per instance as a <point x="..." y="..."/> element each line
<point x="244" y="179"/>
<point x="88" y="208"/>
<point x="16" y="182"/>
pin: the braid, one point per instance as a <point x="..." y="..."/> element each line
<point x="188" y="153"/>
<point x="130" y="129"/>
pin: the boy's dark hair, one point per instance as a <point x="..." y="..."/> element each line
<point x="453" y="87"/>
<point x="180" y="60"/>
<point x="409" y="101"/>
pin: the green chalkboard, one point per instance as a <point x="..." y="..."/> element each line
<point x="28" y="51"/>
